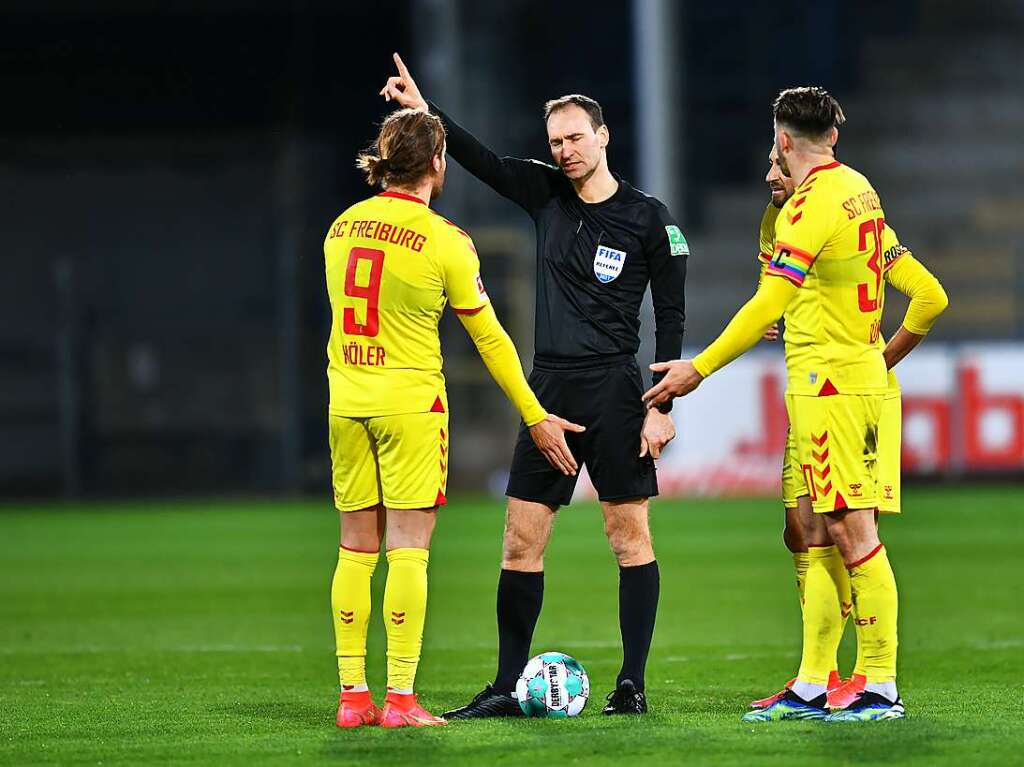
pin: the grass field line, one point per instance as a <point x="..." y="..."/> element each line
<point x="92" y="649"/>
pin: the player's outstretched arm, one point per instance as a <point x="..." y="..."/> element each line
<point x="500" y="356"/>
<point x="743" y="331"/>
<point x="526" y="182"/>
<point x="927" y="301"/>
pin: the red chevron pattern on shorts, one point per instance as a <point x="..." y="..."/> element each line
<point x="822" y="468"/>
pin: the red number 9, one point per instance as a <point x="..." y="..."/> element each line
<point x="369" y="293"/>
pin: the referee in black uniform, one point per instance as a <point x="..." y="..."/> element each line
<point x="599" y="243"/>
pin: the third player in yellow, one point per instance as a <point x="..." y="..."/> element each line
<point x="825" y="274"/>
<point x="908" y="275"/>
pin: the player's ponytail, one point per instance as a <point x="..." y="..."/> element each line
<point x="406" y="145"/>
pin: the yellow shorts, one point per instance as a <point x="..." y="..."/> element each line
<point x="398" y="460"/>
<point x="890" y="429"/>
<point x="835" y="452"/>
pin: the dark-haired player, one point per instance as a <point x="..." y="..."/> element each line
<point x="392" y="265"/>
<point x="826" y="276"/>
<point x="905" y="273"/>
<point x="600" y="243"/>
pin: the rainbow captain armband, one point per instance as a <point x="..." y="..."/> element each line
<point x="791" y="263"/>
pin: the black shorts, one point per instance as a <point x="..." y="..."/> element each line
<point x="604" y="397"/>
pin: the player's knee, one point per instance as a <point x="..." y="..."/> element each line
<point x="817" y="537"/>
<point x="793" y="537"/>
<point x="793" y="533"/>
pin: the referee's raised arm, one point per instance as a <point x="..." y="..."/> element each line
<point x="528" y="183"/>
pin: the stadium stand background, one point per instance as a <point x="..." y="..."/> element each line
<point x="168" y="178"/>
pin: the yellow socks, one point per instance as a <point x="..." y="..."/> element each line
<point x="841" y="577"/>
<point x="876" y="600"/>
<point x="800" y="562"/>
<point x="823" y="622"/>
<point x="350" y="604"/>
<point x="405" y="607"/>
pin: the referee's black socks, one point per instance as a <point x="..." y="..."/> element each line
<point x="520" y="596"/>
<point x="638" y="605"/>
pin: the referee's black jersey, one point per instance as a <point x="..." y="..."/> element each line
<point x="594" y="260"/>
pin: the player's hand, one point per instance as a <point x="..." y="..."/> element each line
<point x="680" y="379"/>
<point x="658" y="431"/>
<point x="772" y="333"/>
<point x="549" y="437"/>
<point x="402" y="88"/>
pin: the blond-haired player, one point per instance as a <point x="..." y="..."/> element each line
<point x="392" y="266"/>
<point x="825" y="275"/>
<point x="910" y="277"/>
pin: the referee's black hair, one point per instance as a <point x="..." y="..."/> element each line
<point x="587" y="104"/>
<point x="809" y="112"/>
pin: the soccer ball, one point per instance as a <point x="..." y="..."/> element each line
<point x="553" y="685"/>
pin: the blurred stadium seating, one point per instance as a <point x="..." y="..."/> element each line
<point x="169" y="177"/>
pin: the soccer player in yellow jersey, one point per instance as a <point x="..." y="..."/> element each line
<point x="826" y="276"/>
<point x="927" y="298"/>
<point x="392" y="265"/>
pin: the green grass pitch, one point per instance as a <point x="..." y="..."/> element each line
<point x="199" y="633"/>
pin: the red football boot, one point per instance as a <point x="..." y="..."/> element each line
<point x="765" y="702"/>
<point x="833" y="682"/>
<point x="356" y="709"/>
<point x="405" y="711"/>
<point x="846" y="693"/>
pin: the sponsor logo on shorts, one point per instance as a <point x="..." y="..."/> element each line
<point x="855" y="489"/>
<point x="888" y="492"/>
<point x="866" y="621"/>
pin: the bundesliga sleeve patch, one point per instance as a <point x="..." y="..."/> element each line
<point x="480" y="288"/>
<point x="677" y="244"/>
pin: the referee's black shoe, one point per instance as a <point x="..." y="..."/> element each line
<point x="488" y="703"/>
<point x="626" y="699"/>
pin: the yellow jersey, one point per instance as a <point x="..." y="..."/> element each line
<point x="766" y="235"/>
<point x="892" y="250"/>
<point x="392" y="265"/>
<point x="830" y="241"/>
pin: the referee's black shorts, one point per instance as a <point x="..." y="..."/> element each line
<point x="603" y="395"/>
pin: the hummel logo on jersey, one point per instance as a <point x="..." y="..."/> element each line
<point x="608" y="263"/>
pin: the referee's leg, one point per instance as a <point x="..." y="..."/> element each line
<point x="521" y="585"/>
<point x="629" y="535"/>
<point x="520" y="594"/>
